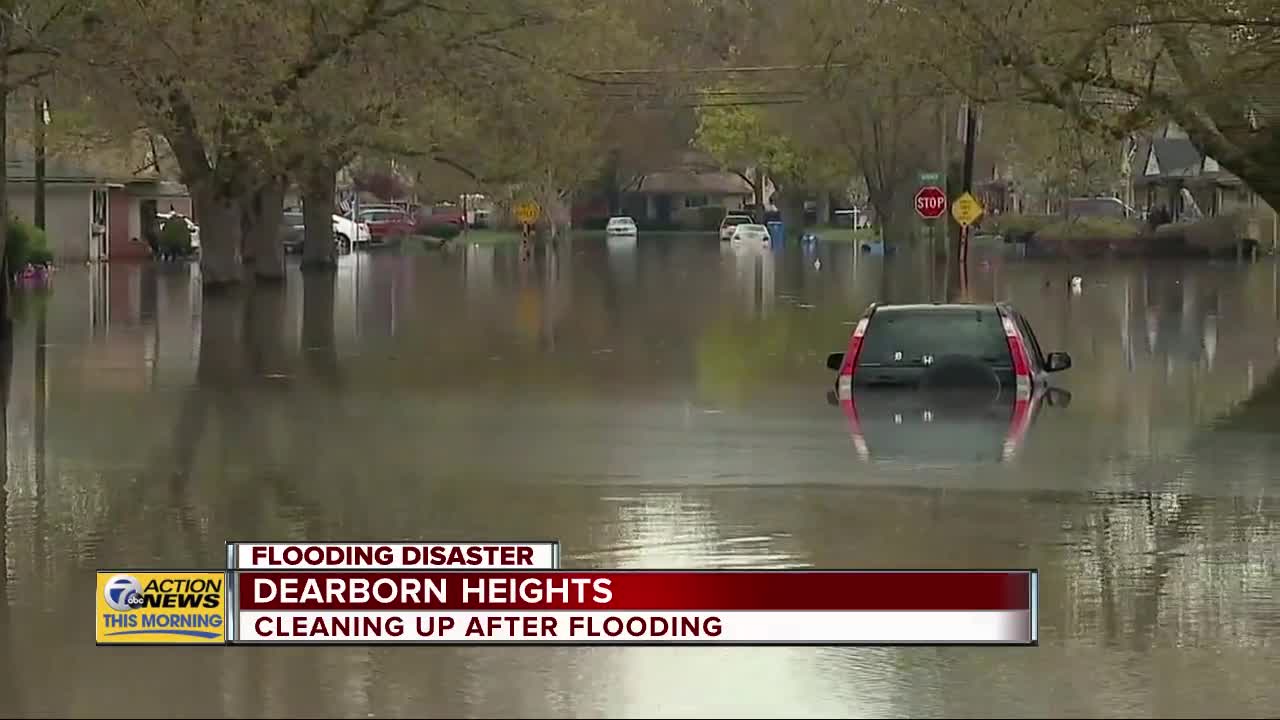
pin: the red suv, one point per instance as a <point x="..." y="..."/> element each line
<point x="943" y="378"/>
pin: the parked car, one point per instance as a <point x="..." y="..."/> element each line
<point x="731" y="221"/>
<point x="943" y="345"/>
<point x="385" y="225"/>
<point x="162" y="218"/>
<point x="620" y="226"/>
<point x="292" y="231"/>
<point x="347" y="231"/>
<point x="750" y="233"/>
<point x="479" y="218"/>
<point x="1111" y="207"/>
<point x="972" y="373"/>
<point x="443" y="213"/>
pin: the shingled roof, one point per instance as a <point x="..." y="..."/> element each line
<point x="23" y="169"/>
<point x="693" y="182"/>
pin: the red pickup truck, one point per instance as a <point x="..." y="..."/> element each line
<point x="387" y="224"/>
<point x="443" y="214"/>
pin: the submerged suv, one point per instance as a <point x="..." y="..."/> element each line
<point x="943" y="381"/>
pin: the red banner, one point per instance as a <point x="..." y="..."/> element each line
<point x="637" y="590"/>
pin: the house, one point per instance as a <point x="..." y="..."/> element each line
<point x="76" y="207"/>
<point x="656" y="198"/>
<point x="90" y="216"/>
<point x="1170" y="163"/>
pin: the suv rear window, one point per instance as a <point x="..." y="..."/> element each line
<point x="917" y="333"/>
<point x="734" y="220"/>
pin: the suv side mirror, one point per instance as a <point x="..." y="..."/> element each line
<point x="1057" y="362"/>
<point x="835" y="360"/>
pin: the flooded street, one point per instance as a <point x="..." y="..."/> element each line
<point x="657" y="404"/>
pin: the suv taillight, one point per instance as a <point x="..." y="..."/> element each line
<point x="851" y="356"/>
<point x="1018" y="353"/>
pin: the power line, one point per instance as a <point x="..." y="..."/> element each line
<point x="703" y="70"/>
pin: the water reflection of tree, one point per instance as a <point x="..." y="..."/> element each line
<point x="11" y="660"/>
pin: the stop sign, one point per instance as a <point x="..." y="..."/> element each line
<point x="931" y="202"/>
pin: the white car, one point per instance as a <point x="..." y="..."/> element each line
<point x="745" y="233"/>
<point x="162" y="218"/>
<point x="621" y="226"/>
<point x="347" y="230"/>
<point x="731" y="221"/>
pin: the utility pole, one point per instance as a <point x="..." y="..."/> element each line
<point x="970" y="141"/>
<point x="41" y="120"/>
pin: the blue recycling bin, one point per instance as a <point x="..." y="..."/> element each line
<point x="777" y="233"/>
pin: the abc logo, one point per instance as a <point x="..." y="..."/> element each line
<point x="123" y="592"/>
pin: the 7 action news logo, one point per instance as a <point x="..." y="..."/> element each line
<point x="123" y="593"/>
<point x="178" y="606"/>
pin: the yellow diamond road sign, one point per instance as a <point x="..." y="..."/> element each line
<point x="528" y="212"/>
<point x="966" y="210"/>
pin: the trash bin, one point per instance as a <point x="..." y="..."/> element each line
<point x="777" y="232"/>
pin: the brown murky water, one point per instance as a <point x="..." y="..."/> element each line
<point x="651" y="405"/>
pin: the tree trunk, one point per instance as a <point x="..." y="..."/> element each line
<point x="262" y="215"/>
<point x="824" y="208"/>
<point x="6" y="272"/>
<point x="1263" y="175"/>
<point x="556" y="212"/>
<point x="220" y="234"/>
<point x="757" y="190"/>
<point x="791" y="205"/>
<point x="613" y="184"/>
<point x="39" y="210"/>
<point x="319" y="185"/>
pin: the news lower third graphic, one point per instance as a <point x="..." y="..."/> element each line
<point x="178" y="607"/>
<point x="515" y="593"/>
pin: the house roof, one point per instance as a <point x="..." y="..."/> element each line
<point x="160" y="188"/>
<point x="1175" y="157"/>
<point x="23" y="169"/>
<point x="692" y="181"/>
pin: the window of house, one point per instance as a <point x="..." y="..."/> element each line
<point x="692" y="201"/>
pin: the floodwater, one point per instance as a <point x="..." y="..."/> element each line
<point x="650" y="404"/>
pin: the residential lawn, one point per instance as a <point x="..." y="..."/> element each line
<point x="485" y="237"/>
<point x="834" y="234"/>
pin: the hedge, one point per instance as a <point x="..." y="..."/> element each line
<point x="441" y="230"/>
<point x="175" y="237"/>
<point x="1090" y="235"/>
<point x="1019" y="228"/>
<point x="26" y="245"/>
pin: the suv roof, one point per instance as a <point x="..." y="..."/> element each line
<point x="941" y="307"/>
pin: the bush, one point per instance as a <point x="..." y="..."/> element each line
<point x="26" y="245"/>
<point x="1090" y="235"/>
<point x="1019" y="228"/>
<point x="175" y="237"/>
<point x="441" y="230"/>
<point x="1219" y="235"/>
